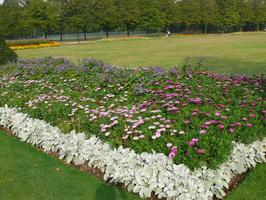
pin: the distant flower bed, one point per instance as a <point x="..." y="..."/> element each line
<point x="29" y="44"/>
<point x="190" y="115"/>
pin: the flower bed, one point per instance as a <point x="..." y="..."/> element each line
<point x="141" y="173"/>
<point x="186" y="116"/>
<point x="30" y="44"/>
<point x="190" y="116"/>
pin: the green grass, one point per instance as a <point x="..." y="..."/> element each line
<point x="29" y="174"/>
<point x="253" y="187"/>
<point x="234" y="53"/>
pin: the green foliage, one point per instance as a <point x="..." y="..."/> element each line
<point x="6" y="54"/>
<point x="32" y="17"/>
<point x="106" y="15"/>
<point x="151" y="17"/>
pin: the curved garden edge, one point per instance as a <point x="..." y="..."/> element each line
<point x="149" y="175"/>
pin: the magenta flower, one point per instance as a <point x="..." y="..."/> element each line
<point x="249" y="125"/>
<point x="221" y="126"/>
<point x="251" y="115"/>
<point x="213" y="122"/>
<point x="191" y="143"/>
<point x="217" y="114"/>
<point x="245" y="119"/>
<point x="174" y="149"/>
<point x="195" y="139"/>
<point x="201" y="151"/>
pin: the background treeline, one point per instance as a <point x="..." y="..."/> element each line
<point x="20" y="18"/>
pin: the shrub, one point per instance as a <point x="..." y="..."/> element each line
<point x="6" y="54"/>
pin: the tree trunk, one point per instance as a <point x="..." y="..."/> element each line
<point x="206" y="28"/>
<point x="258" y="27"/>
<point x="127" y="32"/>
<point x="85" y="36"/>
<point x="78" y="37"/>
<point x="61" y="35"/>
<point x="187" y="28"/>
<point x="45" y="35"/>
<point x="107" y="34"/>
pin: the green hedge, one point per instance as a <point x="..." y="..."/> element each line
<point x="6" y="54"/>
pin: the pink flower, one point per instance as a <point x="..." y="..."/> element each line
<point x="186" y="122"/>
<point x="238" y="123"/>
<point x="249" y="125"/>
<point x="195" y="139"/>
<point x="171" y="155"/>
<point x="231" y="130"/>
<point x="213" y="122"/>
<point x="245" y="119"/>
<point x="203" y="132"/>
<point x="201" y="151"/>
<point x="217" y="114"/>
<point x="221" y="126"/>
<point x="251" y="115"/>
<point x="174" y="149"/>
<point x="191" y="143"/>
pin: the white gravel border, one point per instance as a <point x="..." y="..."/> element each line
<point x="142" y="173"/>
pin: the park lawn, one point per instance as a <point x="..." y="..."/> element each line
<point x="233" y="53"/>
<point x="29" y="174"/>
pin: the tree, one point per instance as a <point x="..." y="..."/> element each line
<point x="106" y="15"/>
<point x="129" y="13"/>
<point x="11" y="18"/>
<point x="41" y="15"/>
<point x="228" y="13"/>
<point x="171" y="13"/>
<point x="151" y="17"/>
<point x="208" y="13"/>
<point x="189" y="12"/>
<point x="80" y="16"/>
<point x="61" y="10"/>
<point x="259" y="13"/>
<point x="245" y="12"/>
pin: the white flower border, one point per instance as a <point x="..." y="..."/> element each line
<point x="141" y="173"/>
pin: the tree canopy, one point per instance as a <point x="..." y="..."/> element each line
<point x="20" y="18"/>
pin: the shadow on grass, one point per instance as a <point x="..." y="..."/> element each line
<point x="225" y="65"/>
<point x="103" y="192"/>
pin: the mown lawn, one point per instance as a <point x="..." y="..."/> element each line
<point x="28" y="174"/>
<point x="234" y="53"/>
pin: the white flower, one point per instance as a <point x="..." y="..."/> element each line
<point x="181" y="132"/>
